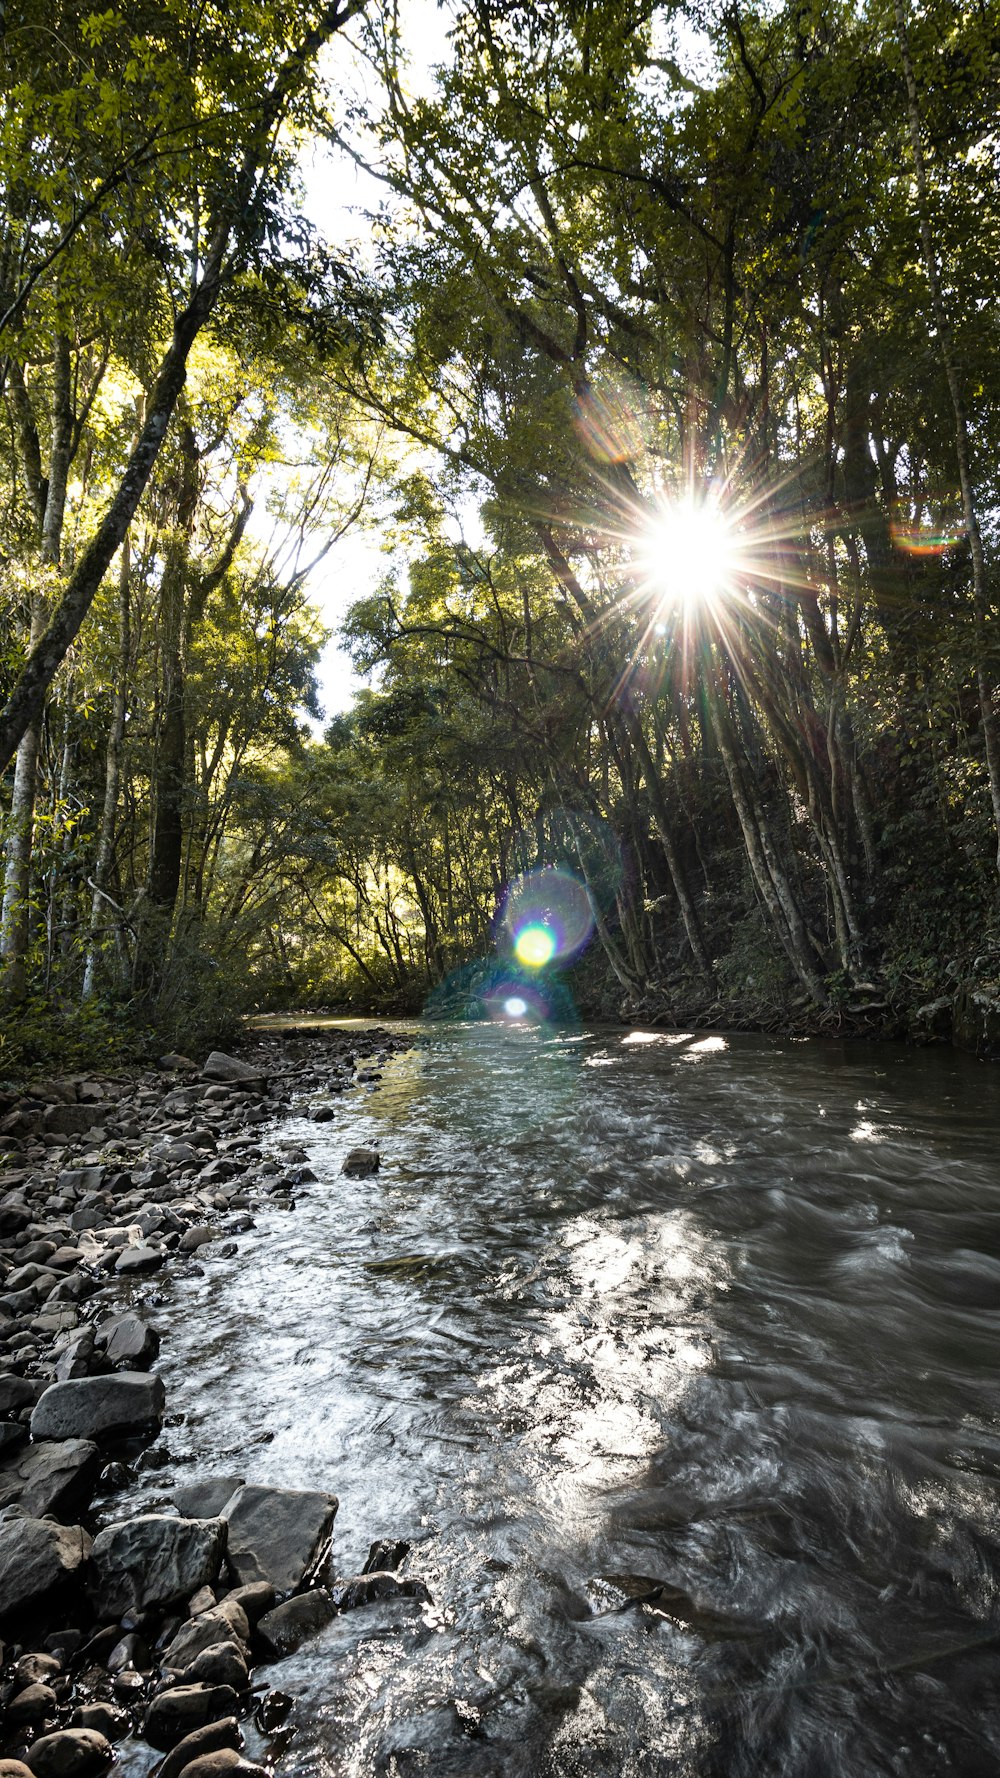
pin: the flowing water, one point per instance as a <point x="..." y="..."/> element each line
<point x="676" y="1358"/>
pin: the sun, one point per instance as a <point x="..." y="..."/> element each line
<point x="689" y="552"/>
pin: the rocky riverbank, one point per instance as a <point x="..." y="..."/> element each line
<point x="150" y="1625"/>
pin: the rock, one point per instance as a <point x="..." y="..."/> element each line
<point x="32" y="1705"/>
<point x="321" y="1114"/>
<point x="176" y="1063"/>
<point x="129" y="1341"/>
<point x="38" y="1561"/>
<point x="14" y="1768"/>
<point x="153" y="1561"/>
<point x="219" y="1664"/>
<point x="54" y="1478"/>
<point x="206" y="1499"/>
<point x="139" y="1259"/>
<point x="108" y="1719"/>
<point x="34" y="1668"/>
<point x="203" y="1600"/>
<point x="71" y="1753"/>
<point x="386" y="1553"/>
<point x="229" y="1068"/>
<point x="194" y="1238"/>
<point x="281" y="1631"/>
<point x="224" y="1623"/>
<point x="216" y="1765"/>
<point x="359" y="1163"/>
<point x="101" y="1408"/>
<point x="255" y="1599"/>
<point x="16" y="1393"/>
<point x="362" y="1589"/>
<point x="281" y="1535"/>
<point x="211" y="1739"/>
<point x="174" y="1713"/>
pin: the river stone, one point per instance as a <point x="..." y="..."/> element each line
<point x="174" y="1713"/>
<point x="211" y="1739"/>
<point x="360" y="1162"/>
<point x="109" y="1720"/>
<point x="71" y="1753"/>
<point x="32" y="1704"/>
<point x="52" y="1478"/>
<point x="38" y="1560"/>
<point x="278" y="1534"/>
<point x="206" y="1499"/>
<point x="152" y="1561"/>
<point x="281" y="1631"/>
<point x="361" y="1589"/>
<point x="255" y="1599"/>
<point x="129" y="1341"/>
<point x="229" y="1068"/>
<point x="219" y="1664"/>
<point x="14" y="1768"/>
<point x="101" y="1408"/>
<point x="224" y="1623"/>
<point x="218" y="1765"/>
<point x="139" y="1259"/>
<point x="16" y="1393"/>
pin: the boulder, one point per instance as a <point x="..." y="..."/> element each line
<point x="100" y="1408"/>
<point x="359" y="1163"/>
<point x="224" y="1623"/>
<point x="281" y="1535"/>
<point x="255" y="1599"/>
<point x="56" y="1477"/>
<point x="281" y="1631"/>
<point x="229" y="1068"/>
<point x="129" y="1341"/>
<point x="153" y="1561"/>
<point x="219" y="1765"/>
<point x="139" y="1259"/>
<point x="14" y="1768"/>
<point x="219" y="1664"/>
<point x="211" y="1739"/>
<point x="32" y="1704"/>
<point x="38" y="1561"/>
<point x="109" y="1720"/>
<point x="70" y="1753"/>
<point x="174" y="1713"/>
<point x="16" y="1393"/>
<point x="362" y="1589"/>
<point x="207" y="1499"/>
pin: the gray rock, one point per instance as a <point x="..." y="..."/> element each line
<point x="229" y="1068"/>
<point x="139" y="1259"/>
<point x="214" y="1737"/>
<point x="281" y="1631"/>
<point x="386" y="1553"/>
<point x="194" y="1238"/>
<point x="359" y="1163"/>
<point x="174" y="1713"/>
<point x="206" y="1499"/>
<point x="219" y="1664"/>
<point x="362" y="1589"/>
<point x="71" y="1753"/>
<point x="255" y="1599"/>
<point x="153" y="1561"/>
<point x="108" y="1719"/>
<point x="129" y="1341"/>
<point x="281" y="1535"/>
<point x="224" y="1623"/>
<point x="57" y="1477"/>
<point x="177" y="1063"/>
<point x="17" y="1393"/>
<point x="101" y="1408"/>
<point x="38" y="1560"/>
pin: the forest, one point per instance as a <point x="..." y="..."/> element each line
<point x="662" y="366"/>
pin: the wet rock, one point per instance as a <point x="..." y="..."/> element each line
<point x="56" y="1477"/>
<point x="100" y="1408"/>
<point x="133" y="1260"/>
<point x="281" y="1535"/>
<point x="230" y="1069"/>
<point x="197" y="1237"/>
<point x="109" y="1720"/>
<point x="71" y="1753"/>
<point x="211" y="1739"/>
<point x="224" y="1623"/>
<point x="272" y="1711"/>
<point x="14" y="1768"/>
<point x="206" y="1499"/>
<point x="386" y="1554"/>
<point x="39" y="1560"/>
<point x="32" y="1705"/>
<point x="321" y="1114"/>
<point x="359" y="1163"/>
<point x="362" y="1589"/>
<point x="255" y="1599"/>
<point x="281" y="1631"/>
<point x="218" y="1765"/>
<point x="131" y="1651"/>
<point x="36" y="1668"/>
<point x="128" y="1341"/>
<point x="219" y="1664"/>
<point x="153" y="1561"/>
<point x="174" y="1713"/>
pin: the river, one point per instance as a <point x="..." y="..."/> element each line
<point x="676" y="1359"/>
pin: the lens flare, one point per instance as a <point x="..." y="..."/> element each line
<point x="515" y="1007"/>
<point x="547" y="917"/>
<point x="917" y="539"/>
<point x="690" y="552"/>
<point x="535" y="946"/>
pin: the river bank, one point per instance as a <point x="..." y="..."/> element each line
<point x="148" y="1625"/>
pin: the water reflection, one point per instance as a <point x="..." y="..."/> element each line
<point x="684" y="1391"/>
